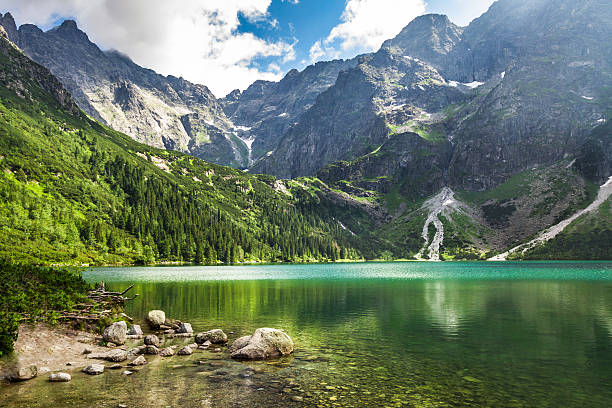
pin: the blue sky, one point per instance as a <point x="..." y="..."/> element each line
<point x="307" y="21"/>
<point x="228" y="44"/>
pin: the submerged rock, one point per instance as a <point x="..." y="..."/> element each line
<point x="156" y="318"/>
<point x="94" y="369"/>
<point x="215" y="336"/>
<point x="264" y="343"/>
<point x="135" y="330"/>
<point x="140" y="360"/>
<point x="60" y="377"/>
<point x="23" y="373"/>
<point x="152" y="340"/>
<point x="152" y="350"/>
<point x="115" y="333"/>
<point x="166" y="352"/>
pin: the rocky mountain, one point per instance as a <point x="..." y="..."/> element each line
<point x="164" y="112"/>
<point x="519" y="87"/>
<point x="448" y="142"/>
<point x="266" y="110"/>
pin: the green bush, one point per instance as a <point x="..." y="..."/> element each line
<point x="33" y="293"/>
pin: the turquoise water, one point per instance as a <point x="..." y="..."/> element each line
<point x="373" y="334"/>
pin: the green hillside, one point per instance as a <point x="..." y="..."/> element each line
<point x="75" y="192"/>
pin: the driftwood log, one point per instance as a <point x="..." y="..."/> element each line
<point x="100" y="304"/>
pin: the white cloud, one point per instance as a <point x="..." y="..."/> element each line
<point x="191" y="38"/>
<point x="365" y="25"/>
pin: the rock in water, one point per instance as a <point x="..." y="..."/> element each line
<point x="185" y="351"/>
<point x="94" y="369"/>
<point x="184" y="328"/>
<point x="115" y="333"/>
<point x="264" y="343"/>
<point x="215" y="336"/>
<point x="151" y="340"/>
<point x="151" y="350"/>
<point x="140" y="360"/>
<point x="156" y="318"/>
<point x="166" y="352"/>
<point x="116" y="355"/>
<point x="135" y="330"/>
<point x="23" y="373"/>
<point x="60" y="377"/>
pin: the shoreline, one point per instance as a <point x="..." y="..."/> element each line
<point x="50" y="348"/>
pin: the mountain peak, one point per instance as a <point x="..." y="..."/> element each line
<point x="8" y="22"/>
<point x="429" y="37"/>
<point x="69" y="25"/>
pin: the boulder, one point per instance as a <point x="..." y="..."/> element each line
<point x="151" y="350"/>
<point x="184" y="328"/>
<point x="60" y="377"/>
<point x="23" y="373"/>
<point x="94" y="369"/>
<point x="140" y="360"/>
<point x="166" y="352"/>
<point x="151" y="340"/>
<point x="156" y="318"/>
<point x="115" y="333"/>
<point x="215" y="336"/>
<point x="185" y="351"/>
<point x="87" y="350"/>
<point x="135" y="330"/>
<point x="264" y="343"/>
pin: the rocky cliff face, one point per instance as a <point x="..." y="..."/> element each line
<point x="150" y="108"/>
<point x="23" y="77"/>
<point x="265" y="111"/>
<point x="521" y="87"/>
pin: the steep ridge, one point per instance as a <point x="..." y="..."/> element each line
<point x="164" y="112"/>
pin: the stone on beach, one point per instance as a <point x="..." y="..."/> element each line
<point x="264" y="343"/>
<point x="115" y="333"/>
<point x="215" y="336"/>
